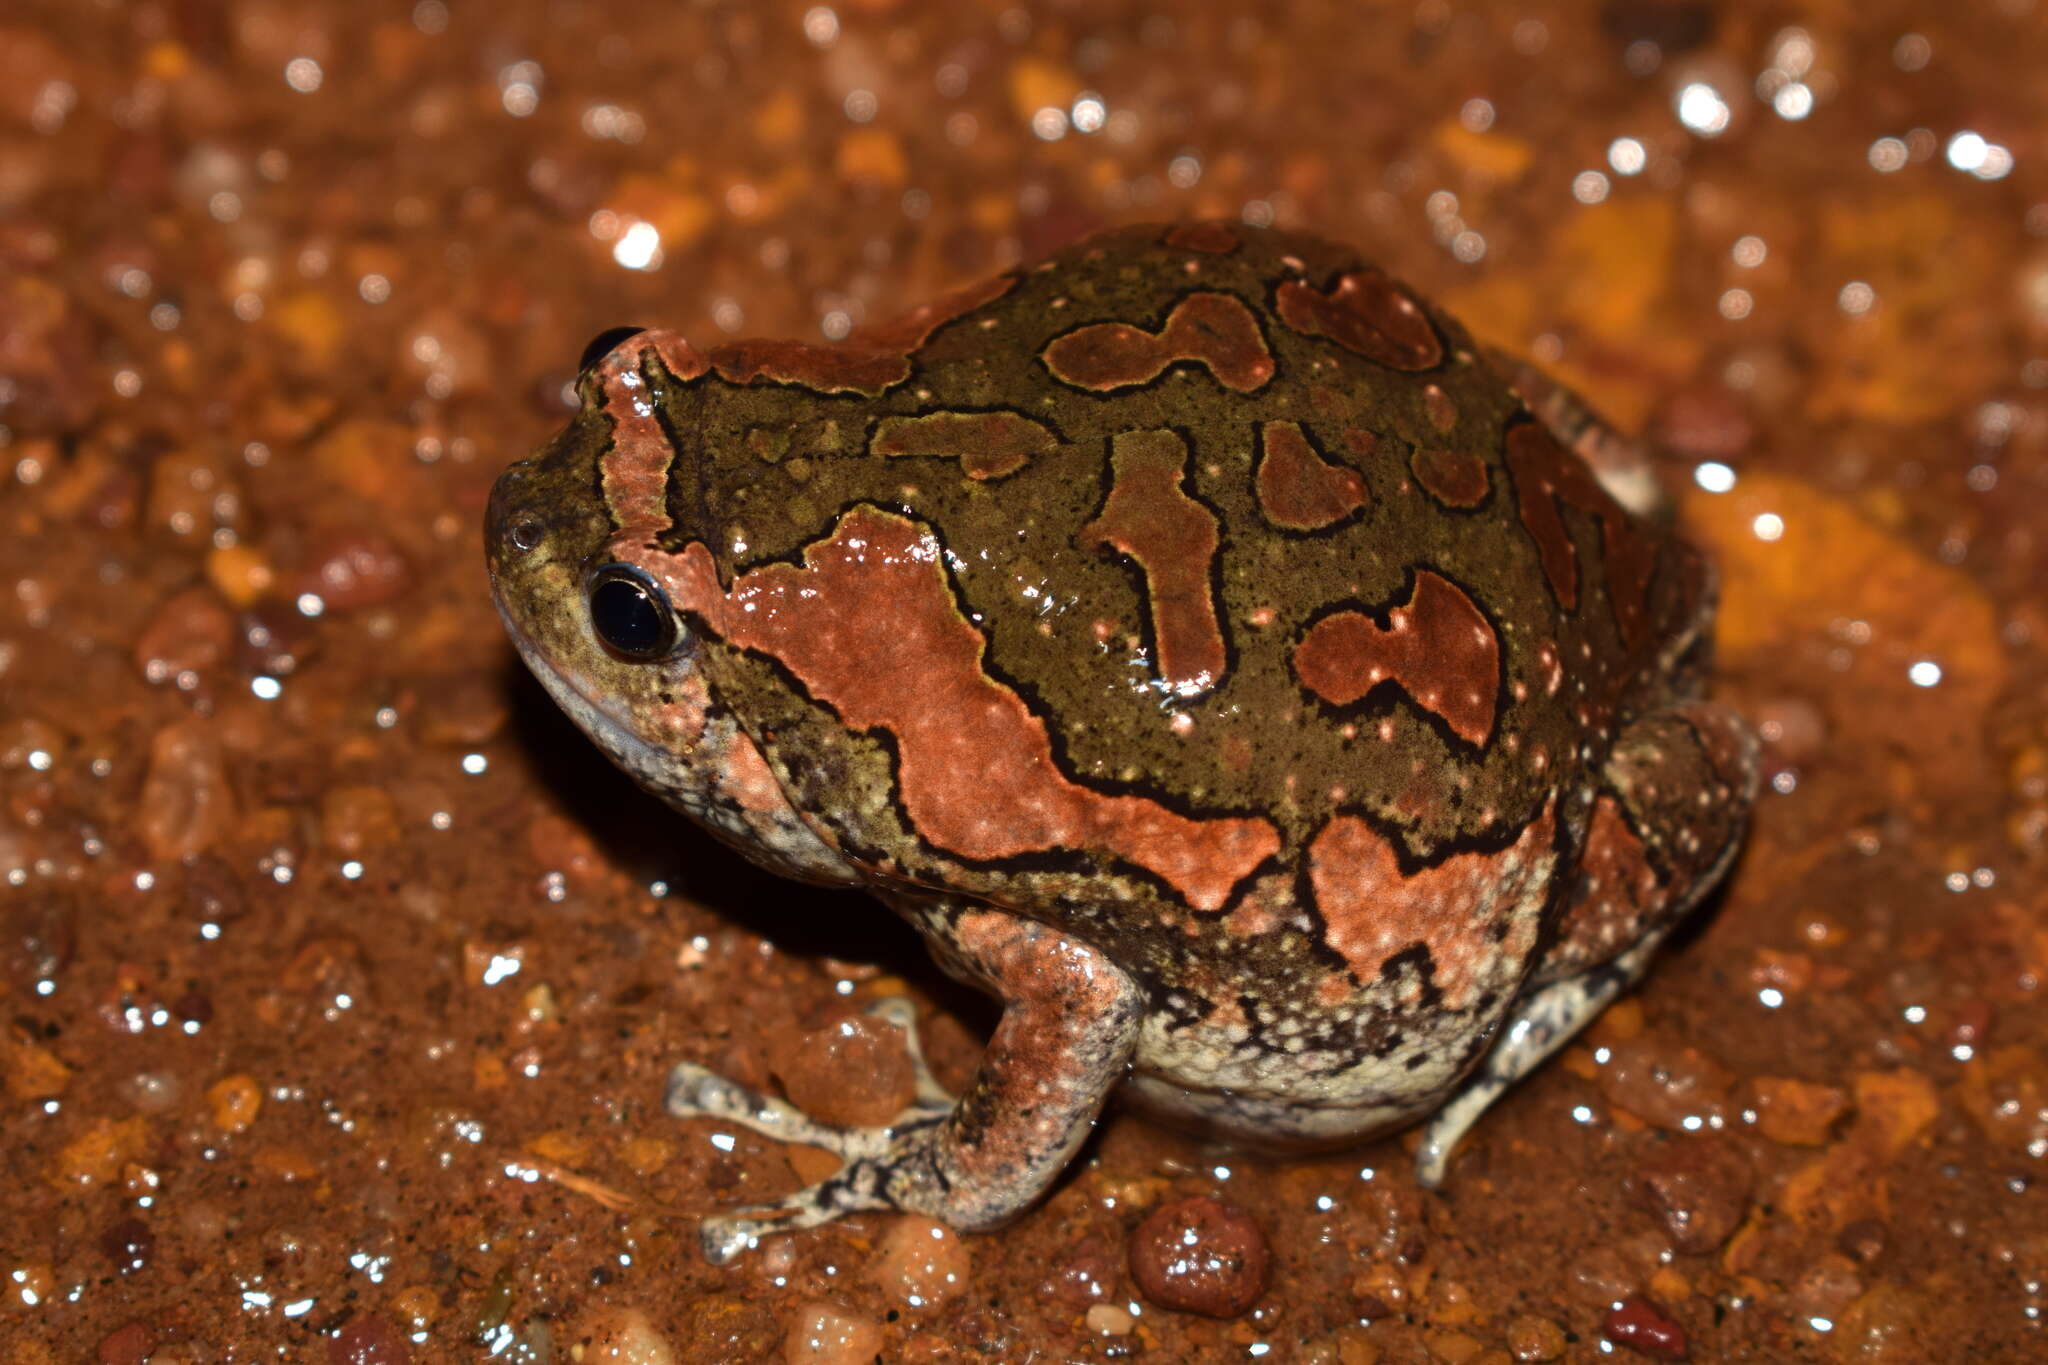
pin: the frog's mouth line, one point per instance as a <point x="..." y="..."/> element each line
<point x="578" y="700"/>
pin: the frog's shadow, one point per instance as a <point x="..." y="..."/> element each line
<point x="652" y="842"/>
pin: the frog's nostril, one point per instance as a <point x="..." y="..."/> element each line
<point x="526" y="534"/>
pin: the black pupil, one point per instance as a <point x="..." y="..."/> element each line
<point x="603" y="343"/>
<point x="627" y="617"/>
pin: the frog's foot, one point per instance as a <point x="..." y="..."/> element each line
<point x="1622" y="465"/>
<point x="1069" y="1025"/>
<point x="1543" y="1021"/>
<point x="1674" y="797"/>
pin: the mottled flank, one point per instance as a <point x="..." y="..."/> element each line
<point x="1214" y="330"/>
<point x="987" y="444"/>
<point x="1298" y="489"/>
<point x="1616" y="892"/>
<point x="1437" y="647"/>
<point x="1149" y="518"/>
<point x="1210" y="238"/>
<point x="1547" y="475"/>
<point x="871" y="361"/>
<point x="1455" y="478"/>
<point x="1366" y="312"/>
<point x="634" y="471"/>
<point x="1455" y="909"/>
<point x="869" y="626"/>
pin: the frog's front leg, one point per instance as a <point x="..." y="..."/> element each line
<point x="1070" y="1021"/>
<point x="1668" y="819"/>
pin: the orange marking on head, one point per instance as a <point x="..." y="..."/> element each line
<point x="869" y="626"/>
<point x="1372" y="913"/>
<point x="1437" y="647"/>
<point x="634" y="472"/>
<point x="1149" y="517"/>
<point x="1214" y="330"/>
<point x="1298" y="488"/>
<point x="1366" y="312"/>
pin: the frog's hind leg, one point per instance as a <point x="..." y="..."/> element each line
<point x="1069" y="1026"/>
<point x="1622" y="465"/>
<point x="1667" y="822"/>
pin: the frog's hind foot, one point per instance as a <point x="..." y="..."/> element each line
<point x="1666" y="825"/>
<point x="695" y="1092"/>
<point x="1544" y="1021"/>
<point x="1069" y="1026"/>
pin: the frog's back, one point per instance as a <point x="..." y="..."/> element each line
<point x="1233" y="521"/>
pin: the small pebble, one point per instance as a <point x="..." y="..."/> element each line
<point x="1797" y="1113"/>
<point x="1085" y="1273"/>
<point x="355" y="568"/>
<point x="1109" y="1320"/>
<point x="1643" y="1327"/>
<point x="187" y="805"/>
<point x="129" y="1344"/>
<point x="822" y="1332"/>
<point x="921" y="1263"/>
<point x="1201" y="1255"/>
<point x="1531" y="1338"/>
<point x="1698" y="1188"/>
<point x="1665" y="1082"/>
<point x="623" y="1336"/>
<point x="853" y="1072"/>
<point x="368" y="1339"/>
<point x="192" y="632"/>
<point x="128" y="1244"/>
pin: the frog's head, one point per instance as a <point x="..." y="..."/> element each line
<point x="561" y="535"/>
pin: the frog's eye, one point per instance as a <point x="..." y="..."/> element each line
<point x="631" y="614"/>
<point x="603" y="344"/>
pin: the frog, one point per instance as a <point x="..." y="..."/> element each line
<point x="1293" y="713"/>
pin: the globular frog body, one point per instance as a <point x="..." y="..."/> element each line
<point x="1198" y="639"/>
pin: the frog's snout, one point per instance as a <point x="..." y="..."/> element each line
<point x="513" y="524"/>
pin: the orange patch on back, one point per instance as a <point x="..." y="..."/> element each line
<point x="1149" y="518"/>
<point x="987" y="444"/>
<point x="1365" y="312"/>
<point x="870" y="361"/>
<point x="869" y="626"/>
<point x="1455" y="478"/>
<point x="1298" y="489"/>
<point x="1213" y="330"/>
<point x="1546" y="474"/>
<point x="1372" y="913"/>
<point x="1437" y="647"/>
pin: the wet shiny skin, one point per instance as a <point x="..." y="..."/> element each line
<point x="1197" y="640"/>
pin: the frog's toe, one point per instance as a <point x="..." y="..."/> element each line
<point x="696" y="1092"/>
<point x="892" y="1163"/>
<point x="1543" y="1021"/>
<point x="931" y="1097"/>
